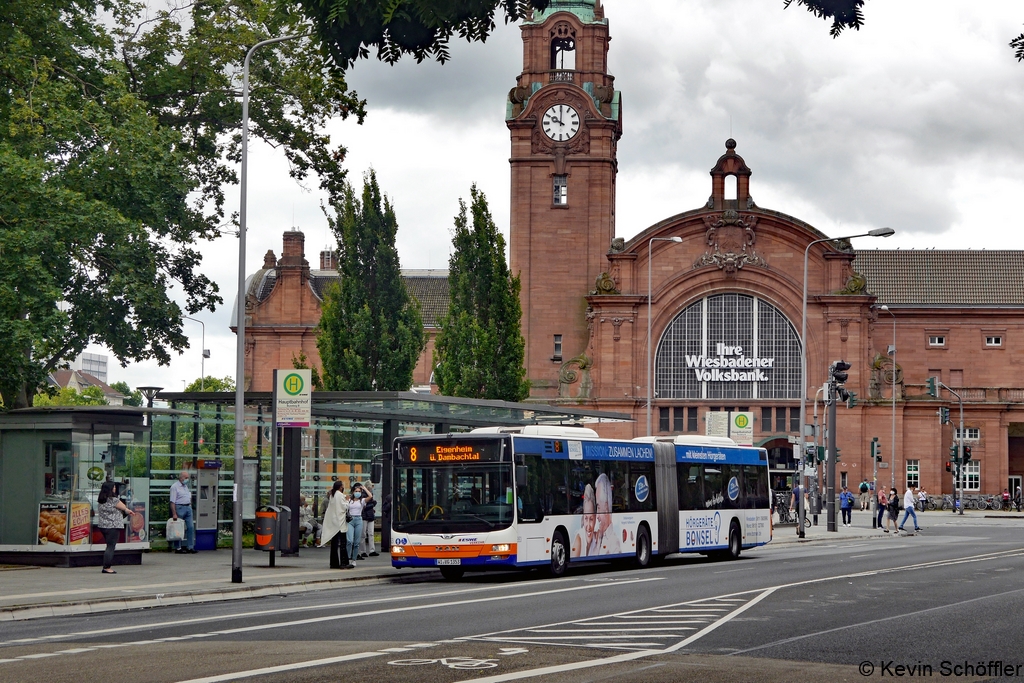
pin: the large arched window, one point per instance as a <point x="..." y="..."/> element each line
<point x="728" y="346"/>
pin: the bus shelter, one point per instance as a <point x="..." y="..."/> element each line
<point x="53" y="461"/>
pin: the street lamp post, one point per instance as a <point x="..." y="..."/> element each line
<point x="650" y="342"/>
<point x="236" y="496"/>
<point x="892" y="352"/>
<point x="877" y="232"/>
<point x="206" y="354"/>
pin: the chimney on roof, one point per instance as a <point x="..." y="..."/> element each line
<point x="269" y="260"/>
<point x="328" y="260"/>
<point x="294" y="251"/>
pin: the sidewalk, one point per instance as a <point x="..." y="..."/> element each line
<point x="169" y="579"/>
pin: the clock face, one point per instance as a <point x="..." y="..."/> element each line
<point x="561" y="122"/>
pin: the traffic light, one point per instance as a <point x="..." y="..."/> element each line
<point x="821" y="454"/>
<point x="933" y="389"/>
<point x="878" y="451"/>
<point x="967" y="453"/>
<point x="944" y="416"/>
<point x="949" y="466"/>
<point x="838" y="371"/>
<point x="954" y="454"/>
<point x="851" y="400"/>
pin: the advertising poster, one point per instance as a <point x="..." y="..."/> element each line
<point x="249" y="473"/>
<point x="53" y="523"/>
<point x="138" y="524"/>
<point x="78" y="528"/>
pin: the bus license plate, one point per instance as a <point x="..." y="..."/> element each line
<point x="441" y="563"/>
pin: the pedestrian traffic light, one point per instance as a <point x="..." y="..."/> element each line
<point x="944" y="415"/>
<point x="967" y="453"/>
<point x="949" y="466"/>
<point x="954" y="454"/>
<point x="878" y="451"/>
<point x="933" y="389"/>
<point x="851" y="399"/>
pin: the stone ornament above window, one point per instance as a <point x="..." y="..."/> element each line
<point x="731" y="237"/>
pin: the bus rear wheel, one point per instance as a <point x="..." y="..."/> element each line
<point x="643" y="547"/>
<point x="452" y="573"/>
<point x="559" y="554"/>
<point x="735" y="543"/>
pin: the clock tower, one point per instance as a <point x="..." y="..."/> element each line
<point x="565" y="119"/>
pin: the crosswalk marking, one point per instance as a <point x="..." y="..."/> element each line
<point x="635" y="630"/>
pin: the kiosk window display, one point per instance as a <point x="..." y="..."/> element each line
<point x="52" y="465"/>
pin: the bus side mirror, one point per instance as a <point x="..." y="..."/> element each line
<point x="376" y="471"/>
<point x="521" y="475"/>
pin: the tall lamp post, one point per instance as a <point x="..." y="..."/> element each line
<point x="801" y="512"/>
<point x="206" y="354"/>
<point x="892" y="352"/>
<point x="236" y="496"/>
<point x="650" y="342"/>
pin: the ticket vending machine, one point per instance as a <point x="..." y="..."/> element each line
<point x="207" y="484"/>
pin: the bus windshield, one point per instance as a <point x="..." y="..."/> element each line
<point x="454" y="498"/>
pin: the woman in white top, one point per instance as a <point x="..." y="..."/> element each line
<point x="356" y="497"/>
<point x="335" y="528"/>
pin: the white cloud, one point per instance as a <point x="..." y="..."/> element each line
<point x="912" y="122"/>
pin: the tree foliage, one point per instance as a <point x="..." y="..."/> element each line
<point x="370" y="332"/>
<point x="843" y="13"/>
<point x="211" y="384"/>
<point x="117" y="135"/>
<point x="301" y="362"/>
<point x="480" y="350"/>
<point x="131" y="398"/>
<point x="348" y="29"/>
<point x="69" y="396"/>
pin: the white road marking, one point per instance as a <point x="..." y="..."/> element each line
<point x="255" y="613"/>
<point x="389" y="610"/>
<point x="284" y="667"/>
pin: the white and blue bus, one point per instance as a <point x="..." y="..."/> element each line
<point x="540" y="496"/>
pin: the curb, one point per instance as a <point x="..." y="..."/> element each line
<point x="98" y="606"/>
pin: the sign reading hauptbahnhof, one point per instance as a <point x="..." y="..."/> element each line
<point x="729" y="365"/>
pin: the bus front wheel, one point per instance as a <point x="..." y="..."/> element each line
<point x="559" y="554"/>
<point x="643" y="547"/>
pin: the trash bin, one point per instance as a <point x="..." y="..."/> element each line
<point x="267" y="527"/>
<point x="284" y="528"/>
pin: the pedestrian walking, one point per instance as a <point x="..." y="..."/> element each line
<point x="181" y="507"/>
<point x="846" y="505"/>
<point x="909" y="501"/>
<point x="865" y="497"/>
<point x="335" y="527"/>
<point x="110" y="521"/>
<point x="1017" y="498"/>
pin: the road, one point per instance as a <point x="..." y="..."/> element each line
<point x="948" y="600"/>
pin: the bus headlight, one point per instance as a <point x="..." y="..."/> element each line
<point x="500" y="548"/>
<point x="397" y="550"/>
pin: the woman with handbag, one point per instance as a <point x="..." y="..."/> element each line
<point x="335" y="527"/>
<point x="110" y="521"/>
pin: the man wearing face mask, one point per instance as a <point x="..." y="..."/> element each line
<point x="357" y="498"/>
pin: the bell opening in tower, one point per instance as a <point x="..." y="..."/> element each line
<point x="563" y="54"/>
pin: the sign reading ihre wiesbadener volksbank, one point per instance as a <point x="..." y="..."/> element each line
<point x="293" y="397"/>
<point x="729" y="365"/>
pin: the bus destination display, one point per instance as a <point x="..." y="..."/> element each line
<point x="445" y="452"/>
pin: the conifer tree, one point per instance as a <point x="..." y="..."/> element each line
<point x="479" y="351"/>
<point x="370" y="332"/>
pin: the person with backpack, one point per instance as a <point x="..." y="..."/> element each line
<point x="369" y="515"/>
<point x="865" y="498"/>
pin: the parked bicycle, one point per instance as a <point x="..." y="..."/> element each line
<point x="787" y="516"/>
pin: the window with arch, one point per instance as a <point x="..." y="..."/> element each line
<point x="731" y="191"/>
<point x="728" y="346"/>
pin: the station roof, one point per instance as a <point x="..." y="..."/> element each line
<point x="406" y="406"/>
<point x="943" y="277"/>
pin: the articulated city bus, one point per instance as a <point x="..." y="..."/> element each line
<point x="539" y="496"/>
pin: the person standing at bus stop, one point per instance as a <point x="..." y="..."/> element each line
<point x="357" y="498"/>
<point x="181" y="506"/>
<point x="335" y="527"/>
<point x="846" y="505"/>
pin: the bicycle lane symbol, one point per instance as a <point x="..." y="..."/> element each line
<point x="461" y="663"/>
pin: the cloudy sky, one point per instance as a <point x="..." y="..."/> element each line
<point x="912" y="122"/>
